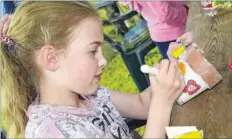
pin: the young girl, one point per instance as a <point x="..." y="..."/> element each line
<point x="166" y="20"/>
<point x="52" y="62"/>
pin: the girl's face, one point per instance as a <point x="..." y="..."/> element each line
<point x="81" y="67"/>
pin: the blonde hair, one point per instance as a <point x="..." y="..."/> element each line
<point x="33" y="25"/>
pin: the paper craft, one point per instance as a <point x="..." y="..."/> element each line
<point x="198" y="73"/>
<point x="184" y="132"/>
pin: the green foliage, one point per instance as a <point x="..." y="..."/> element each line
<point x="103" y="14"/>
<point x="140" y="130"/>
<point x="133" y="20"/>
<point x="116" y="77"/>
<point x="108" y="52"/>
<point x="153" y="57"/>
<point x="112" y="32"/>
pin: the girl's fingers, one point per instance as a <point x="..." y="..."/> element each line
<point x="3" y="21"/>
<point x="172" y="47"/>
<point x="6" y="26"/>
<point x="164" y="67"/>
<point x="172" y="72"/>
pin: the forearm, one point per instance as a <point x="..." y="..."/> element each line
<point x="145" y="100"/>
<point x="131" y="105"/>
<point x="158" y="119"/>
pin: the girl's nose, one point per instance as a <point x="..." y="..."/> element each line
<point x="102" y="62"/>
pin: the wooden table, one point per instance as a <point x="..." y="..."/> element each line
<point x="212" y="110"/>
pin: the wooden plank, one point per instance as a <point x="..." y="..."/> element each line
<point x="212" y="110"/>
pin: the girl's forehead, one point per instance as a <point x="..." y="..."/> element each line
<point x="88" y="31"/>
<point x="90" y="27"/>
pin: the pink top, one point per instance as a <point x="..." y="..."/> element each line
<point x="101" y="121"/>
<point x="166" y="19"/>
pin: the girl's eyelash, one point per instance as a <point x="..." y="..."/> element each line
<point x="94" y="51"/>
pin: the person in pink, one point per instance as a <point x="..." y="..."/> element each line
<point x="166" y="20"/>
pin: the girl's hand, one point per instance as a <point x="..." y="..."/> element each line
<point x="168" y="84"/>
<point x="5" y="22"/>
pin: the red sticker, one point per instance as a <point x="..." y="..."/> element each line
<point x="230" y="63"/>
<point x="206" y="3"/>
<point x="192" y="87"/>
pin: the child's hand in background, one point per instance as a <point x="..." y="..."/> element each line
<point x="5" y="22"/>
<point x="168" y="84"/>
<point x="187" y="38"/>
<point x="171" y="48"/>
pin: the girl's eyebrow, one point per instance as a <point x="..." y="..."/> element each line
<point x="97" y="43"/>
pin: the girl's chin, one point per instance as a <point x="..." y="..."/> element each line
<point x="93" y="89"/>
<point x="90" y="90"/>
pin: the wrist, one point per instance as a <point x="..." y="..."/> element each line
<point x="158" y="118"/>
<point x="161" y="103"/>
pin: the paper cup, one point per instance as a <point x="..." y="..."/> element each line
<point x="199" y="74"/>
<point x="194" y="84"/>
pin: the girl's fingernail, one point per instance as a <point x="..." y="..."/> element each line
<point x="179" y="42"/>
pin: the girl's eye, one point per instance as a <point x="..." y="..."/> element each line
<point x="93" y="52"/>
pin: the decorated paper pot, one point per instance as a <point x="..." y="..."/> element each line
<point x="198" y="73"/>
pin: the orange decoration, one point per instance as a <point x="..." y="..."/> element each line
<point x="182" y="68"/>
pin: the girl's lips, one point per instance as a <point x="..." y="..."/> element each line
<point x="98" y="77"/>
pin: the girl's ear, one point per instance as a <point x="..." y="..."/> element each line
<point x="48" y="58"/>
